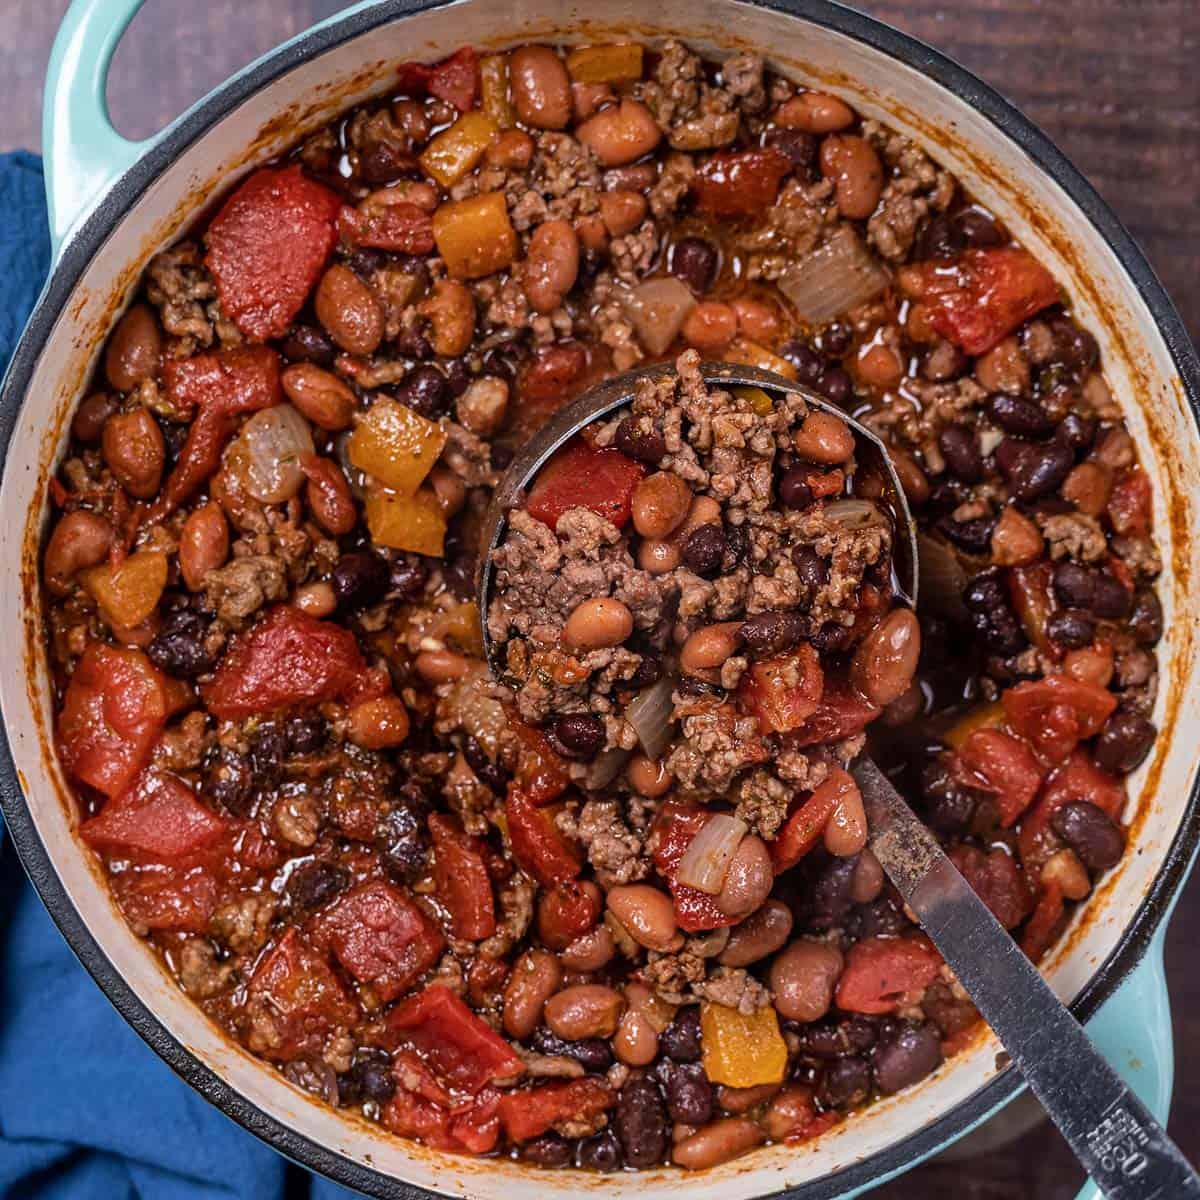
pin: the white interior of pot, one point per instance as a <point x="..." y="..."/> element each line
<point x="1138" y="368"/>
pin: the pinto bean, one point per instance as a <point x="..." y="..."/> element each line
<point x="81" y="539"/>
<point x="646" y="914"/>
<point x="379" y="724"/>
<point x="586" y="1010"/>
<point x="822" y="438"/>
<point x="315" y="599"/>
<point x="846" y="830"/>
<point x="450" y="311"/>
<point x="758" y="321"/>
<point x="441" y="666"/>
<point x="449" y="488"/>
<point x="591" y="951"/>
<point x="1016" y="540"/>
<point x="857" y="174"/>
<point x="349" y="311"/>
<point x="803" y="978"/>
<point x="738" y="1100"/>
<point x="621" y="133"/>
<point x="133" y="447"/>
<point x="134" y="350"/>
<point x="595" y="624"/>
<point x="815" y="112"/>
<point x="868" y="879"/>
<point x="659" y="557"/>
<point x="1004" y="368"/>
<point x="912" y="479"/>
<point x="880" y="367"/>
<point x="759" y="935"/>
<point x="718" y="1143"/>
<point x="328" y="496"/>
<point x="534" y="979"/>
<point x="636" y="1041"/>
<point x="886" y="660"/>
<point x="710" y="646"/>
<point x="648" y="777"/>
<point x="749" y="878"/>
<point x="622" y="211"/>
<point x="1088" y="487"/>
<point x="710" y="326"/>
<point x="551" y="265"/>
<point x="319" y="395"/>
<point x="90" y="416"/>
<point x="541" y="87"/>
<point x="512" y="150"/>
<point x="203" y="544"/>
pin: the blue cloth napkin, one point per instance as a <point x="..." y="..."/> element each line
<point x="86" y="1108"/>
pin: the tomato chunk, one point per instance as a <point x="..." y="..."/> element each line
<point x="539" y="847"/>
<point x="738" y="183"/>
<point x="982" y="297"/>
<point x="806" y="823"/>
<point x="1030" y="589"/>
<point x="403" y="228"/>
<point x="1055" y="713"/>
<point x="784" y="691"/>
<point x="159" y="816"/>
<point x="423" y="1109"/>
<point x="842" y="713"/>
<point x="168" y="896"/>
<point x="997" y="881"/>
<point x="297" y="999"/>
<point x="565" y="912"/>
<point x="1008" y="768"/>
<point x="542" y="773"/>
<point x="462" y="1051"/>
<point x="551" y="378"/>
<point x="1043" y="927"/>
<point x="532" y="1111"/>
<point x="1078" y="779"/>
<point x="881" y="971"/>
<point x="1131" y="503"/>
<point x="674" y="828"/>
<point x="267" y="247"/>
<point x="454" y="79"/>
<point x="288" y="658"/>
<point x="580" y="476"/>
<point x="380" y="936"/>
<point x="461" y="877"/>
<point x="114" y="709"/>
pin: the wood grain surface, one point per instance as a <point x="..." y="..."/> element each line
<point x="1115" y="84"/>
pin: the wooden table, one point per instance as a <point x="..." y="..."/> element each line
<point x="1115" y="83"/>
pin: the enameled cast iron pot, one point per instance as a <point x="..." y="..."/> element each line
<point x="113" y="204"/>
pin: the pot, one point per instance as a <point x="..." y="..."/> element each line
<point x="113" y="204"/>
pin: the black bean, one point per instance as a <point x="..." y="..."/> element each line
<point x="880" y="918"/>
<point x="978" y="229"/>
<point x="941" y="239"/>
<point x="423" y="390"/>
<point x="1123" y="743"/>
<point x="835" y="385"/>
<point x="1071" y="628"/>
<point x="812" y="569"/>
<point x="380" y="162"/>
<point x="836" y="339"/>
<point x="692" y="685"/>
<point x="690" y="1097"/>
<point x="594" y="1054"/>
<point x="640" y="1122"/>
<point x="229" y="780"/>
<point x="831" y="638"/>
<point x="973" y="536"/>
<point x="829" y="1040"/>
<point x="178" y="648"/>
<point x="1075" y="585"/>
<point x="411" y="342"/>
<point x="459" y="576"/>
<point x="1018" y="416"/>
<point x="991" y="615"/>
<point x="799" y="147"/>
<point x="548" y="1150"/>
<point x="305" y="735"/>
<point x="949" y="806"/>
<point x="737" y="547"/>
<point x="485" y="770"/>
<point x="1091" y="833"/>
<point x="1077" y="431"/>
<point x="794" y="491"/>
<point x="961" y="451"/>
<point x="407" y="579"/>
<point x="846" y="1082"/>
<point x="458" y="376"/>
<point x="1034" y="470"/>
<point x="649" y="670"/>
<point x="681" y="1039"/>
<point x="269" y="749"/>
<point x="694" y="261"/>
<point x="365" y="261"/>
<point x="1146" y="619"/>
<point x="773" y="632"/>
<point x="359" y="579"/>
<point x="1111" y="598"/>
<point x="808" y="363"/>
<point x="370" y="1078"/>
<point x="503" y="360"/>
<point x="637" y="441"/>
<point x="378" y="1083"/>
<point x="704" y="550"/>
<point x="829" y="899"/>
<point x="315" y="884"/>
<point x="403" y="846"/>
<point x="580" y="735"/>
<point x="307" y="343"/>
<point x="1073" y="347"/>
<point x="601" y="1153"/>
<point x="907" y="1056"/>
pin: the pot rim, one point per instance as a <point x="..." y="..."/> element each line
<point x="72" y="263"/>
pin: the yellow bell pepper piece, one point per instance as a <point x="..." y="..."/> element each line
<point x="474" y="236"/>
<point x="985" y="716"/>
<point x="415" y="523"/>
<point x="493" y="90"/>
<point x="758" y="400"/>
<point x="456" y="151"/>
<point x="396" y="446"/>
<point x="621" y="63"/>
<point x="741" y="1051"/>
<point x="128" y="595"/>
<point x="751" y="354"/>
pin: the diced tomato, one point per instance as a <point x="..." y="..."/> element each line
<point x="784" y="691"/>
<point x="1131" y="504"/>
<point x="880" y="972"/>
<point x="403" y="228"/>
<point x="566" y="912"/>
<point x="157" y="815"/>
<point x="461" y="877"/>
<point x="421" y="1108"/>
<point x="981" y="298"/>
<point x="997" y="881"/>
<point x="1039" y="934"/>
<point x="1077" y="779"/>
<point x="530" y="1112"/>
<point x="674" y="828"/>
<point x="267" y="247"/>
<point x="738" y="183"/>
<point x="288" y="658"/>
<point x="1007" y="767"/>
<point x="167" y="896"/>
<point x="842" y="713"/>
<point x="551" y="378"/>
<point x="580" y="476"/>
<point x="1055" y="713"/>
<point x="463" y="1052"/>
<point x="454" y="79"/>
<point x="539" y="847"/>
<point x="114" y="709"/>
<point x="1032" y="597"/>
<point x="806" y="823"/>
<point x="542" y="773"/>
<point x="295" y="989"/>
<point x="380" y="936"/>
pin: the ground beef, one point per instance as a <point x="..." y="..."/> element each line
<point x="243" y="924"/>
<point x="238" y="590"/>
<point x="200" y="973"/>
<point x="616" y="852"/>
<point x="1074" y="535"/>
<point x="179" y="285"/>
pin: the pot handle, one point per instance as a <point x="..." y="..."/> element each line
<point x="1133" y="1032"/>
<point x="84" y="154"/>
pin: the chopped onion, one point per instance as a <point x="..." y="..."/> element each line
<point x="657" y="309"/>
<point x="604" y="768"/>
<point x="942" y="577"/>
<point x="272" y="444"/>
<point x="854" y="514"/>
<point x="840" y="274"/>
<point x="650" y="715"/>
<point x="706" y="861"/>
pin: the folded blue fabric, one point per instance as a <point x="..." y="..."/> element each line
<point x="86" y="1108"/>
